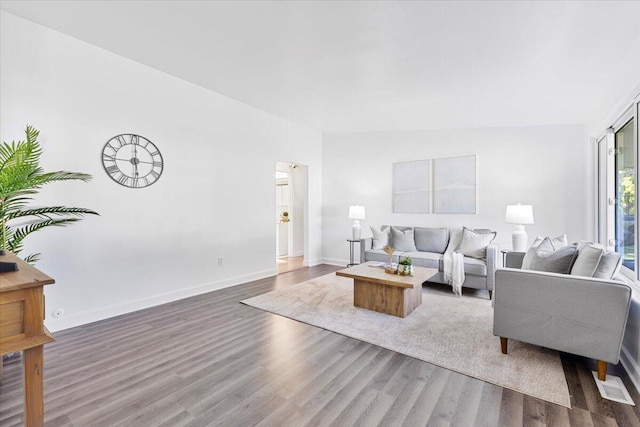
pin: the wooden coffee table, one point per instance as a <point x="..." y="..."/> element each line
<point x="376" y="290"/>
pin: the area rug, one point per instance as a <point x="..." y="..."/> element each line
<point x="452" y="332"/>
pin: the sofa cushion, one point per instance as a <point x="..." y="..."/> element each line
<point x="431" y="239"/>
<point x="425" y="259"/>
<point x="472" y="266"/>
<point x="587" y="261"/>
<point x="419" y="259"/>
<point x="545" y="258"/>
<point x="474" y="244"/>
<point x="380" y="238"/>
<point x="402" y="240"/>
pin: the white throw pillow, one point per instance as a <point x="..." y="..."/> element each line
<point x="557" y="242"/>
<point x="380" y="238"/>
<point x="474" y="244"/>
<point x="587" y="261"/>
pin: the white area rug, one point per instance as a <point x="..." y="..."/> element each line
<point x="448" y="331"/>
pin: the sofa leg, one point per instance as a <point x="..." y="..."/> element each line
<point x="602" y="370"/>
<point x="490" y="295"/>
<point x="503" y="344"/>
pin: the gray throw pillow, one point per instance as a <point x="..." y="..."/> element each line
<point x="402" y="240"/>
<point x="380" y="238"/>
<point x="545" y="258"/>
<point x="475" y="244"/>
<point x="431" y="239"/>
<point x="587" y="261"/>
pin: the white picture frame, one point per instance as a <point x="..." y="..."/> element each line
<point x="412" y="186"/>
<point x="454" y="185"/>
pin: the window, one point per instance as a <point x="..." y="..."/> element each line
<point x="617" y="183"/>
<point x="625" y="185"/>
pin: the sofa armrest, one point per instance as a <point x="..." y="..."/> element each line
<point x="365" y="245"/>
<point x="492" y="264"/>
<point x="578" y="315"/>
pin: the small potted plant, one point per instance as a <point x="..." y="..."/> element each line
<point x="405" y="267"/>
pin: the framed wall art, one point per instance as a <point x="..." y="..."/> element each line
<point x="412" y="187"/>
<point x="454" y="185"/>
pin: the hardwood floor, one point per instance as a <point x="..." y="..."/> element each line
<point x="209" y="360"/>
<point x="285" y="263"/>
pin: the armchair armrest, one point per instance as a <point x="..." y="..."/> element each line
<point x="575" y="314"/>
<point x="492" y="265"/>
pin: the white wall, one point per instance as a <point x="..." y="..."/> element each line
<point x="546" y="166"/>
<point x="214" y="199"/>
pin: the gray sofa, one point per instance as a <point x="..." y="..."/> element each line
<point x="431" y="244"/>
<point x="575" y="314"/>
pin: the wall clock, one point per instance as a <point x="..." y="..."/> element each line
<point x="132" y="160"/>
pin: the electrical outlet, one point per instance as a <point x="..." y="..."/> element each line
<point x="58" y="312"/>
<point x="220" y="261"/>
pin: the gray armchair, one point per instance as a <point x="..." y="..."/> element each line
<point x="574" y="314"/>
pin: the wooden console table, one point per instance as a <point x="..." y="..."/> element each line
<point x="22" y="329"/>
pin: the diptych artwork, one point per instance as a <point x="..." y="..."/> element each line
<point x="412" y="187"/>
<point x="454" y="185"/>
<point x="448" y="184"/>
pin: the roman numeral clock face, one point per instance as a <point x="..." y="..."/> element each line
<point x="132" y="160"/>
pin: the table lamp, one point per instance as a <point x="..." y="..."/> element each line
<point x="356" y="213"/>
<point x="519" y="215"/>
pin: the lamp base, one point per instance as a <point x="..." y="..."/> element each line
<point x="355" y="230"/>
<point x="519" y="239"/>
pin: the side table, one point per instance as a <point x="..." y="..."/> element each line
<point x="511" y="258"/>
<point x="351" y="251"/>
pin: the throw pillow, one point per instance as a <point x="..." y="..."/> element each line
<point x="557" y="242"/>
<point x="609" y="265"/>
<point x="587" y="261"/>
<point x="380" y="238"/>
<point x="475" y="244"/>
<point x="431" y="239"/>
<point x="610" y="262"/>
<point x="402" y="240"/>
<point x="545" y="258"/>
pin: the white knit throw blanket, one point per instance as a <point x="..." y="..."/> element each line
<point x="453" y="265"/>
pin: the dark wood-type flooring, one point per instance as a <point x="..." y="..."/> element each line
<point x="209" y="360"/>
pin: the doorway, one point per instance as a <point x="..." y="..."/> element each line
<point x="291" y="211"/>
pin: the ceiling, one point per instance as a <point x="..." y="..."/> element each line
<point x="343" y="66"/>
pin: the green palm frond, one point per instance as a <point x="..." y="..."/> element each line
<point x="20" y="179"/>
<point x="20" y="233"/>
<point x="47" y="212"/>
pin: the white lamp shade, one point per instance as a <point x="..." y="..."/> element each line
<point x="356" y="212"/>
<point x="519" y="214"/>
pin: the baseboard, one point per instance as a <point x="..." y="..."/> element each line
<point x="632" y="368"/>
<point x="296" y="254"/>
<point x="311" y="263"/>
<point x="333" y="261"/>
<point x="83" y="318"/>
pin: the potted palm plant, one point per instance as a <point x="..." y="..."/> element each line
<point x="405" y="267"/>
<point x="21" y="177"/>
